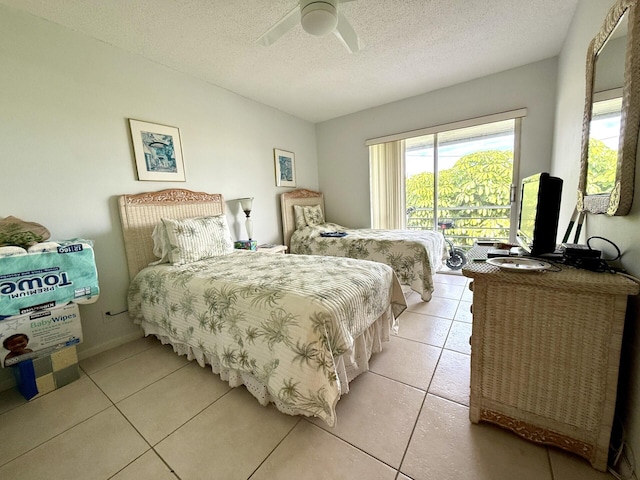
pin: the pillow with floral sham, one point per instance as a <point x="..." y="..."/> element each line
<point x="298" y="211"/>
<point x="161" y="247"/>
<point x="194" y="239"/>
<point x="313" y="215"/>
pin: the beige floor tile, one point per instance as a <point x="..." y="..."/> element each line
<point x="447" y="446"/>
<point x="424" y="328"/>
<point x="451" y="379"/>
<point x="105" y="359"/>
<point x="95" y="449"/>
<point x="406" y="361"/>
<point x="447" y="290"/>
<point x="165" y="405"/>
<point x="310" y="453"/>
<point x="413" y="299"/>
<point x="463" y="313"/>
<point x="148" y="466"/>
<point x="566" y="466"/>
<point x="458" y="338"/>
<point x="35" y="422"/>
<point x="452" y="278"/>
<point x="377" y="416"/>
<point x="228" y="440"/>
<point x="467" y="294"/>
<point x="125" y="378"/>
<point x="10" y="399"/>
<point x="437" y="307"/>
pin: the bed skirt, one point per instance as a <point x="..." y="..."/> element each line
<point x="348" y="366"/>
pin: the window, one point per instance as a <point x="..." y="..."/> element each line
<point x="459" y="176"/>
<point x="604" y="136"/>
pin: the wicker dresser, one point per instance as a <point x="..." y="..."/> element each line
<point x="545" y="351"/>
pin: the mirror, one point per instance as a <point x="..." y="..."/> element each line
<point x="611" y="114"/>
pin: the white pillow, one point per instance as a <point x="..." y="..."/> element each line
<point x="313" y="215"/>
<point x="194" y="239"/>
<point x="161" y="247"/>
<point x="298" y="211"/>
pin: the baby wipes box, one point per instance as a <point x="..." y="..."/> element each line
<point x="40" y="332"/>
<point x="58" y="273"/>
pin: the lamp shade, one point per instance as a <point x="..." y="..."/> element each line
<point x="319" y="17"/>
<point x="246" y="204"/>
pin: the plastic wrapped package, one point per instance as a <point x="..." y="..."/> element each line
<point x="49" y="275"/>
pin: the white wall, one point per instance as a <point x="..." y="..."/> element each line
<point x="66" y="154"/>
<point x="343" y="158"/>
<point x="623" y="231"/>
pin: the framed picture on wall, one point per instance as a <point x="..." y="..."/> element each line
<point x="158" y="152"/>
<point x="285" y="168"/>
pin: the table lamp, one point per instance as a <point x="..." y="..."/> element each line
<point x="246" y="204"/>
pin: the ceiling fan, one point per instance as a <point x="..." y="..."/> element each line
<point x="317" y="17"/>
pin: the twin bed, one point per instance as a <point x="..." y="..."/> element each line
<point x="294" y="329"/>
<point x="414" y="255"/>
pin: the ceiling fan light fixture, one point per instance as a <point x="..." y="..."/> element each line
<point x="319" y="17"/>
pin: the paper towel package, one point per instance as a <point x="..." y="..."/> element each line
<point x="49" y="275"/>
<point x="41" y="332"/>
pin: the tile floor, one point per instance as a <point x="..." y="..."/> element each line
<point x="141" y="412"/>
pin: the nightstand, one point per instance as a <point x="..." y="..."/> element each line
<point x="273" y="249"/>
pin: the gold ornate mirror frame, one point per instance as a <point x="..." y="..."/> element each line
<point x="619" y="200"/>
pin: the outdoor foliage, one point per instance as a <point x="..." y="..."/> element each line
<point x="601" y="174"/>
<point x="474" y="193"/>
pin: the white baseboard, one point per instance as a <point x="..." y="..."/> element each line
<point x="103" y="347"/>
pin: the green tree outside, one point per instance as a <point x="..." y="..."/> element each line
<point x="476" y="181"/>
<point x="601" y="171"/>
<point x="481" y="180"/>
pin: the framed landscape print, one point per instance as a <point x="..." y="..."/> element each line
<point x="158" y="152"/>
<point x="285" y="168"/>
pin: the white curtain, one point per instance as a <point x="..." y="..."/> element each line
<point x="386" y="165"/>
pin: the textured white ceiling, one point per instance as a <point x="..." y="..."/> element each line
<point x="411" y="46"/>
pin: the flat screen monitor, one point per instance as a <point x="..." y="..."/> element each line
<point x="539" y="213"/>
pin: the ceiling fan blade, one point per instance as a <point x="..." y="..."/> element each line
<point x="290" y="20"/>
<point x="345" y="32"/>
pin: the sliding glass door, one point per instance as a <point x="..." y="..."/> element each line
<point x="463" y="179"/>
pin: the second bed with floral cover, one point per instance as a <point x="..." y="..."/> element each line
<point x="415" y="255"/>
<point x="286" y="326"/>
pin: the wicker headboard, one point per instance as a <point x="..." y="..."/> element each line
<point x="296" y="197"/>
<point x="139" y="214"/>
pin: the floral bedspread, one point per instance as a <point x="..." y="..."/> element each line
<point x="281" y="318"/>
<point x="415" y="255"/>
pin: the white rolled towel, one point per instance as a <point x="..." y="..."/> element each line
<point x="11" y="250"/>
<point x="44" y="247"/>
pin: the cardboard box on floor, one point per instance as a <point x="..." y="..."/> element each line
<point x="40" y="347"/>
<point x="24" y="336"/>
<point x="47" y="372"/>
